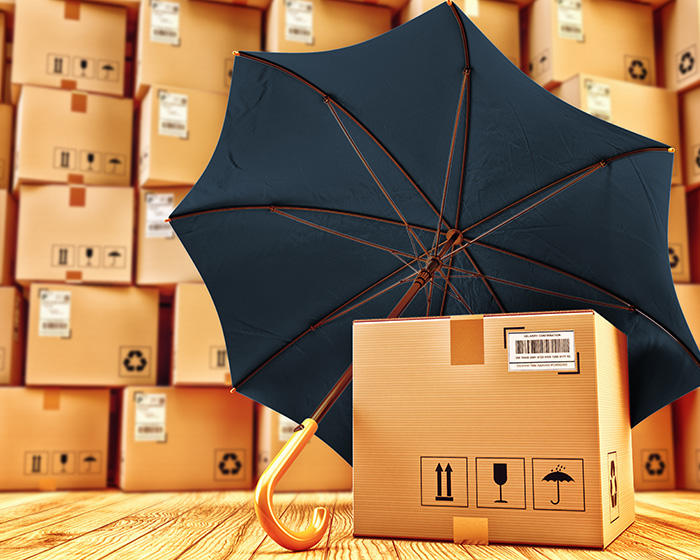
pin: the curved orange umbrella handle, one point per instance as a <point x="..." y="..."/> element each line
<point x="292" y="540"/>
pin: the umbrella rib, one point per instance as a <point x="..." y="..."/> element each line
<point x="347" y="113"/>
<point x="455" y="292"/>
<point x="485" y="281"/>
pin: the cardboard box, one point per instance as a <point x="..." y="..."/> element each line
<point x="53" y="439"/>
<point x="175" y="438"/>
<point x="186" y="43"/>
<point x="3" y="39"/>
<point x="678" y="243"/>
<point x="317" y="469"/>
<point x="199" y="348"/>
<point x="600" y="37"/>
<point x="646" y="110"/>
<point x="690" y="148"/>
<point x="6" y="130"/>
<point x="498" y="20"/>
<point x="92" y="335"/>
<point x="75" y="234"/>
<point x="68" y="44"/>
<point x="260" y="4"/>
<point x="679" y="25"/>
<point x="8" y="231"/>
<point x="465" y="429"/>
<point x="11" y="336"/>
<point x="179" y="129"/>
<point x="652" y="452"/>
<point x="161" y="260"/>
<point x="320" y="25"/>
<point x="61" y="138"/>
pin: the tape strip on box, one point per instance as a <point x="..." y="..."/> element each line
<point x="470" y="530"/>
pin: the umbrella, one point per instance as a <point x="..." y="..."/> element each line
<point x="419" y="167"/>
<point x="557" y="475"/>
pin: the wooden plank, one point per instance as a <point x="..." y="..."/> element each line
<point x="12" y="499"/>
<point x="110" y="537"/>
<point x="31" y="503"/>
<point x="53" y="535"/>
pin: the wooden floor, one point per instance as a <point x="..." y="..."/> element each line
<point x="222" y="525"/>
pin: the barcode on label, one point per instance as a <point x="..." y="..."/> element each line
<point x="546" y="346"/>
<point x="150" y="429"/>
<point x="54" y="325"/>
<point x="541" y="350"/>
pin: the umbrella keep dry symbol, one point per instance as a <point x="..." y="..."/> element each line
<point x="557" y="475"/>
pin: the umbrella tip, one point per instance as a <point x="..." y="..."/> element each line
<point x="232" y="390"/>
<point x="235" y="53"/>
<point x="672" y="150"/>
<point x="167" y="220"/>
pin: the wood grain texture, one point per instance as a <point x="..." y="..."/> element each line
<point x="112" y="525"/>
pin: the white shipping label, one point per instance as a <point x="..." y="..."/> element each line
<point x="172" y="114"/>
<point x="165" y="22"/>
<point x="149" y="416"/>
<point x="547" y="350"/>
<point x="54" y="313"/>
<point x="299" y="21"/>
<point x="158" y="207"/>
<point x="570" y="19"/>
<point x="598" y="99"/>
<point x="471" y="8"/>
<point x="286" y="428"/>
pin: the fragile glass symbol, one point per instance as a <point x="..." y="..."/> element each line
<point x="448" y="484"/>
<point x="500" y="477"/>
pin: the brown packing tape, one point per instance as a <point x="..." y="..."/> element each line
<point x="69" y="84"/>
<point x="467" y="340"/>
<point x="76" y="196"/>
<point x="47" y="484"/>
<point x="76" y="178"/>
<point x="71" y="10"/>
<point x="78" y="103"/>
<point x="74" y="275"/>
<point x="52" y="399"/>
<point x="470" y="530"/>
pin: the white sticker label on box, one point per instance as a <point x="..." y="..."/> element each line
<point x="158" y="207"/>
<point x="598" y="99"/>
<point x="165" y="22"/>
<point x="471" y="8"/>
<point x="286" y="428"/>
<point x="570" y="19"/>
<point x="149" y="416"/>
<point x="54" y="313"/>
<point x="542" y="350"/>
<point x="299" y="21"/>
<point x="172" y="114"/>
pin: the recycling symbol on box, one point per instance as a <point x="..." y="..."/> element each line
<point x="654" y="465"/>
<point x="135" y="361"/>
<point x="637" y="70"/>
<point x="230" y="464"/>
<point x="687" y="63"/>
<point x="673" y="258"/>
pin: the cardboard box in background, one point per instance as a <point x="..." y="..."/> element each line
<point x="652" y="451"/>
<point x="456" y="427"/>
<point x="8" y="236"/>
<point x="678" y="242"/>
<point x="179" y="129"/>
<point x="11" y="336"/>
<point x="319" y="25"/>
<point x="317" y="469"/>
<point x="188" y="43"/>
<point x="259" y="4"/>
<point x="75" y="234"/>
<point x="176" y="438"/>
<point x="6" y="130"/>
<point x="199" y="348"/>
<point x="161" y="260"/>
<point x="3" y="39"/>
<point x="498" y="20"/>
<point x="679" y="48"/>
<point x="71" y="45"/>
<point x="92" y="335"/>
<point x="693" y="212"/>
<point x="690" y="128"/>
<point x="646" y="110"/>
<point x="61" y="137"/>
<point x="608" y="38"/>
<point x="53" y="439"/>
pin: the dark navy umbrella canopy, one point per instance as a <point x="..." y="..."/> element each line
<point x="337" y="173"/>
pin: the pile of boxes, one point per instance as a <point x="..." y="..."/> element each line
<point x="110" y="347"/>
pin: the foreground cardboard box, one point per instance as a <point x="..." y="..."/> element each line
<point x="199" y="348"/>
<point x="6" y="135"/>
<point x="686" y="410"/>
<point x="678" y="242"/>
<point x="75" y="234"/>
<point x="652" y="452"/>
<point x="621" y="103"/>
<point x="317" y="469"/>
<point x="601" y="37"/>
<point x="188" y="43"/>
<point x="320" y="25"/>
<point x="260" y="4"/>
<point x="679" y="23"/>
<point x="92" y="335"/>
<point x="53" y="439"/>
<point x="68" y="44"/>
<point x="179" y="129"/>
<point x="175" y="438"/>
<point x="61" y="138"/>
<point x="690" y="148"/>
<point x="11" y="336"/>
<point x="8" y="235"/>
<point x="161" y="260"/>
<point x="467" y="429"/>
<point x="496" y="19"/>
